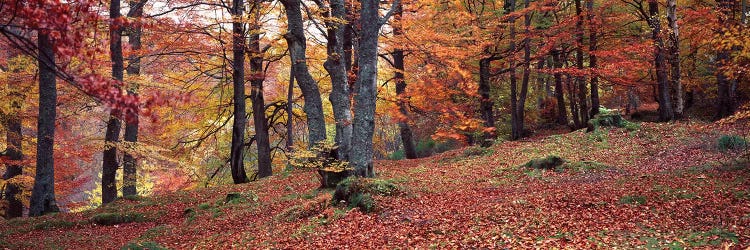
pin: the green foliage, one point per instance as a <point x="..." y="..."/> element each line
<point x="583" y="166"/>
<point x="633" y="199"/>
<point x="321" y="156"/>
<point x="549" y="162"/>
<point x="54" y="223"/>
<point x="397" y="155"/>
<point x="238" y="198"/>
<point x="429" y="147"/>
<point x="358" y="192"/>
<point x="109" y="219"/>
<point x="363" y="201"/>
<point x="477" y="151"/>
<point x="731" y="142"/>
<point x="143" y="246"/>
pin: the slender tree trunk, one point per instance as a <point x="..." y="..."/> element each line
<point x="580" y="79"/>
<point x="541" y="84"/>
<point x="43" y="193"/>
<point x="674" y="57"/>
<point x="398" y="60"/>
<point x="335" y="64"/>
<point x="562" y="114"/>
<point x="573" y="105"/>
<point x="289" y="114"/>
<point x="237" y="155"/>
<point x="112" y="135"/>
<point x="366" y="91"/>
<point x="129" y="182"/>
<point x="296" y="41"/>
<point x="593" y="43"/>
<point x="13" y="139"/>
<point x="665" y="106"/>
<point x="262" y="139"/>
<point x="486" y="104"/>
<point x="725" y="104"/>
<point x="526" y="73"/>
<point x="510" y="7"/>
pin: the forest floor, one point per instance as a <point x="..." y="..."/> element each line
<point x="652" y="186"/>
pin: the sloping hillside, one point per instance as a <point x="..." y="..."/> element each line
<point x="653" y="185"/>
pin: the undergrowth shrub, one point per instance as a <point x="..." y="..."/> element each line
<point x="143" y="246"/>
<point x="358" y="192"/>
<point x="633" y="199"/>
<point x="476" y="151"/>
<point x="582" y="166"/>
<point x="428" y="147"/>
<point x="610" y="118"/>
<point x="56" y="224"/>
<point x="731" y="142"/>
<point x="323" y="157"/>
<point x="109" y="219"/>
<point x="549" y="162"/>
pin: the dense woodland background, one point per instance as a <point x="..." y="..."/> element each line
<point x="133" y="98"/>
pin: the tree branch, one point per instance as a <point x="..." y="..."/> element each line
<point x="388" y="15"/>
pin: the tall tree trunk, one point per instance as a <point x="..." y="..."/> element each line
<point x="593" y="43"/>
<point x="237" y="155"/>
<point x="562" y="114"/>
<point x="289" y="113"/>
<point x="366" y="91"/>
<point x="486" y="104"/>
<point x="526" y="73"/>
<point x="262" y="139"/>
<point x="130" y="164"/>
<point x="665" y="106"/>
<point x="296" y="41"/>
<point x="510" y="7"/>
<point x="573" y="105"/>
<point x="335" y="64"/>
<point x="398" y="62"/>
<point x="541" y="84"/>
<point x="580" y="79"/>
<point x="674" y="57"/>
<point x="43" y="193"/>
<point x="725" y="104"/>
<point x="112" y="135"/>
<point x="13" y="139"/>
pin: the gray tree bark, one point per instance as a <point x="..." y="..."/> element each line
<point x="674" y="57"/>
<point x="510" y="7"/>
<point x="237" y="155"/>
<point x="486" y="105"/>
<point x="580" y="80"/>
<point x="665" y="107"/>
<point x="262" y="140"/>
<point x="130" y="164"/>
<point x="366" y="91"/>
<point x="112" y="135"/>
<point x="562" y="115"/>
<point x="43" y="193"/>
<point x="335" y="64"/>
<point x="296" y="41"/>
<point x="593" y="43"/>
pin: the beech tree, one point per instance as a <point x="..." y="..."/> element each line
<point x="237" y="155"/>
<point x="112" y="134"/>
<point x="43" y="194"/>
<point x="297" y="44"/>
<point x="366" y="87"/>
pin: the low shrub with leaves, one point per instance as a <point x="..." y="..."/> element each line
<point x="358" y="192"/>
<point x="322" y="157"/>
<point x="109" y="219"/>
<point x="549" y="162"/>
<point x="732" y="142"/>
